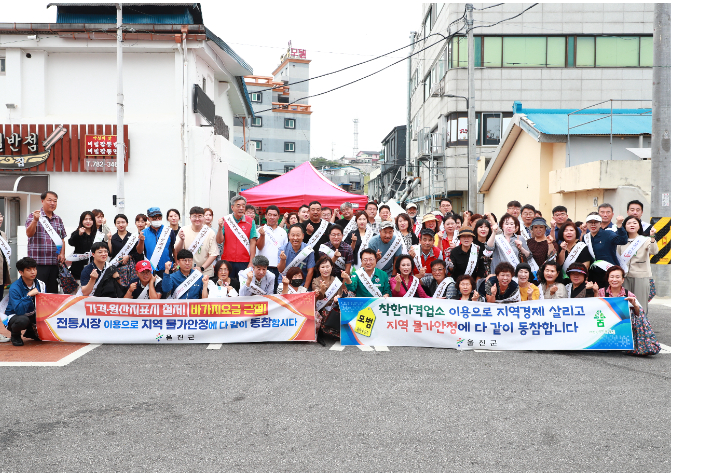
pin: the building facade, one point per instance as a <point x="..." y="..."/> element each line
<point x="182" y="86"/>
<point x="281" y="132"/>
<point x="394" y="158"/>
<point x="349" y="178"/>
<point x="564" y="56"/>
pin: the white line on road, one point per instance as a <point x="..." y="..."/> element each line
<point x="337" y="346"/>
<point x="214" y="346"/>
<point x="381" y="348"/>
<point x="63" y="362"/>
<point x="364" y="347"/>
<point x="665" y="349"/>
<point x="487" y="351"/>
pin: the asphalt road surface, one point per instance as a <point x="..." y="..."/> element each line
<point x="303" y="407"/>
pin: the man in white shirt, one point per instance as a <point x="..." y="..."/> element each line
<point x="635" y="209"/>
<point x="371" y="212"/>
<point x="205" y="251"/>
<point x="256" y="281"/>
<point x="271" y="238"/>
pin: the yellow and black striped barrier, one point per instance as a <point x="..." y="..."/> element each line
<point x="663" y="239"/>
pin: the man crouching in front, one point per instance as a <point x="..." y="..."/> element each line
<point x="21" y="313"/>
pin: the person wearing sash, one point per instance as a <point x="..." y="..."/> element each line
<point x="436" y="284"/>
<point x="506" y="245"/>
<point x="501" y="288"/>
<point x="81" y="239"/>
<point x="645" y="342"/>
<point x="174" y="220"/>
<point x="572" y="250"/>
<point x="542" y="248"/>
<point x="141" y="222"/>
<point x="92" y="274"/>
<point x="387" y="247"/>
<point x="464" y="286"/>
<point x="527" y="214"/>
<point x="46" y="233"/>
<point x="482" y="231"/>
<point x="606" y="212"/>
<point x="20" y="313"/>
<point x="528" y="290"/>
<point x="368" y="280"/>
<point x="550" y="285"/>
<point x="271" y="238"/>
<point x="449" y="238"/>
<point x="579" y="287"/>
<point x="602" y="246"/>
<point x="257" y="280"/>
<point x="302" y="213"/>
<point x="159" y="241"/>
<point x="4" y="261"/>
<point x="358" y="238"/>
<point x="371" y="211"/>
<point x="315" y="229"/>
<point x="467" y="258"/>
<point x="292" y="283"/>
<point x="327" y="214"/>
<point x="405" y="284"/>
<point x="345" y="217"/>
<point x="429" y="221"/>
<point x="328" y="289"/>
<point x="102" y="227"/>
<point x="201" y="240"/>
<point x="513" y="208"/>
<point x="186" y="283"/>
<point x="130" y="255"/>
<point x="635" y="209"/>
<point x="340" y="253"/>
<point x="411" y="210"/>
<point x="403" y="223"/>
<point x="147" y="285"/>
<point x="635" y="259"/>
<point x="220" y="285"/>
<point x="238" y="232"/>
<point x="559" y="217"/>
<point x="425" y="252"/>
<point x="295" y="254"/>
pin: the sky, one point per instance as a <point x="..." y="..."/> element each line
<point x="334" y="35"/>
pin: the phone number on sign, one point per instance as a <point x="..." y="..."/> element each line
<point x="100" y="164"/>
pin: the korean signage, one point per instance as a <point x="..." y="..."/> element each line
<point x="100" y="145"/>
<point x="298" y="53"/>
<point x="560" y="324"/>
<point x="242" y="320"/>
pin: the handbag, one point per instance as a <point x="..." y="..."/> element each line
<point x="652" y="291"/>
<point x="126" y="273"/>
<point x="66" y="280"/>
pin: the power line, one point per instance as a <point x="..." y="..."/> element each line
<point x="506" y="19"/>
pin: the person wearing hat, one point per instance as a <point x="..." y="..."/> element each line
<point x="437" y="284"/>
<point x="580" y="288"/>
<point x="147" y="285"/>
<point x="427" y="252"/>
<point x="152" y="237"/>
<point x="602" y="246"/>
<point x="430" y="221"/>
<point x="528" y="290"/>
<point x="386" y="247"/>
<point x="257" y="280"/>
<point x="465" y="262"/>
<point x="572" y="250"/>
<point x="412" y="212"/>
<point x="543" y="248"/>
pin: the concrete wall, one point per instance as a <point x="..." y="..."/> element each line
<point x="586" y="149"/>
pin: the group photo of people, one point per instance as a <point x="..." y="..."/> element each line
<point x="336" y="253"/>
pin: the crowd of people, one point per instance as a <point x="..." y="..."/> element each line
<point x="338" y="253"/>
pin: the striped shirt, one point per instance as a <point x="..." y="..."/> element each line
<point x="40" y="247"/>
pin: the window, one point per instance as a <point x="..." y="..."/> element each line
<point x="585" y="52"/>
<point x="492" y="51"/>
<point x="2" y="65"/>
<point x="617" y="51"/>
<point x="427" y="86"/>
<point x="646" y="51"/>
<point x="289" y="168"/>
<point x="427" y="21"/>
<point x="458" y="52"/>
<point x="457" y="133"/>
<point x="256" y="121"/>
<point x="491" y="128"/>
<point x="494" y="125"/>
<point x="256" y="97"/>
<point x="290" y="147"/>
<point x="258" y="144"/>
<point x="289" y="123"/>
<point x="204" y="83"/>
<point x="524" y="51"/>
<point x="556" y="49"/>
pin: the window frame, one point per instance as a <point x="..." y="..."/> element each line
<point x="259" y="146"/>
<point x="3" y="68"/>
<point x="286" y="143"/>
<point x="286" y="123"/>
<point x="259" y="94"/>
<point x="253" y="122"/>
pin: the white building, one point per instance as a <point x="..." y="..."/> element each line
<point x="65" y="74"/>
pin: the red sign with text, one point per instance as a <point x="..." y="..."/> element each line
<point x="100" y="145"/>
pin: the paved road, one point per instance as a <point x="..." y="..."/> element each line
<point x="289" y="407"/>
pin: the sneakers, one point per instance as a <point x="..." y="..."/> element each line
<point x="3" y="338"/>
<point x="17" y="340"/>
<point x="31" y="333"/>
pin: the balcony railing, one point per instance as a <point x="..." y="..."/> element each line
<point x="290" y="108"/>
<point x="267" y="82"/>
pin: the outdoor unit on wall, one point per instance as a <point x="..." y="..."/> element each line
<point x="437" y="90"/>
<point x="202" y="104"/>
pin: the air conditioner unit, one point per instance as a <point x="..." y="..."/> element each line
<point x="437" y="90"/>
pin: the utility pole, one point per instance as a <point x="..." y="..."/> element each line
<point x="474" y="202"/>
<point x="410" y="167"/>
<point x="661" y="147"/>
<point x="120" y="157"/>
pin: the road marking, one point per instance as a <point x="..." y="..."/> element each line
<point x="337" y="346"/>
<point x="665" y="349"/>
<point x="214" y="346"/>
<point x="488" y="351"/>
<point x="381" y="348"/>
<point x="364" y="347"/>
<point x="63" y="362"/>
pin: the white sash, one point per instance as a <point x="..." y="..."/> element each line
<point x="292" y="290"/>
<point x="6" y="250"/>
<point x="99" y="237"/>
<point x="507" y="250"/>
<point x="78" y="256"/>
<point x="183" y="288"/>
<point x="160" y="246"/>
<point x="364" y="242"/>
<point x="367" y="282"/>
<point x="454" y="240"/>
<point x="441" y="288"/>
<point x="52" y="233"/>
<point x="387" y="256"/>
<point x="413" y="288"/>
<point x="573" y="255"/>
<point x="598" y="263"/>
<point x="326" y="251"/>
<point x="145" y="292"/>
<point x="329" y="293"/>
<point x="417" y="229"/>
<point x="515" y="297"/>
<point x="645" y="226"/>
<point x="238" y="232"/>
<point x="253" y="287"/>
<point x="472" y="260"/>
<point x="318" y="233"/>
<point x="199" y="239"/>
<point x="302" y="255"/>
<point x="533" y="265"/>
<point x="418" y="257"/>
<point x="588" y="241"/>
<point x="270" y="233"/>
<point x="96" y="284"/>
<point x="132" y="240"/>
<point x="523" y="230"/>
<point x="630" y="251"/>
<point x="352" y="224"/>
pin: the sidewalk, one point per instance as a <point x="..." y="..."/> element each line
<point x="666" y="301"/>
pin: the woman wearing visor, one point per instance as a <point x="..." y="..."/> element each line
<point x="602" y="246"/>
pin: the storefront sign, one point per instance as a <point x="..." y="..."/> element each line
<point x="100" y="145"/>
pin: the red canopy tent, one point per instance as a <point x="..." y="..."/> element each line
<point x="301" y="186"/>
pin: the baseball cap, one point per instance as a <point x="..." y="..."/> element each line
<point x="436" y="213"/>
<point x="427" y="231"/>
<point x="596" y="218"/>
<point x="153" y="211"/>
<point x="386" y="224"/>
<point x="143" y="265"/>
<point x="411" y="205"/>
